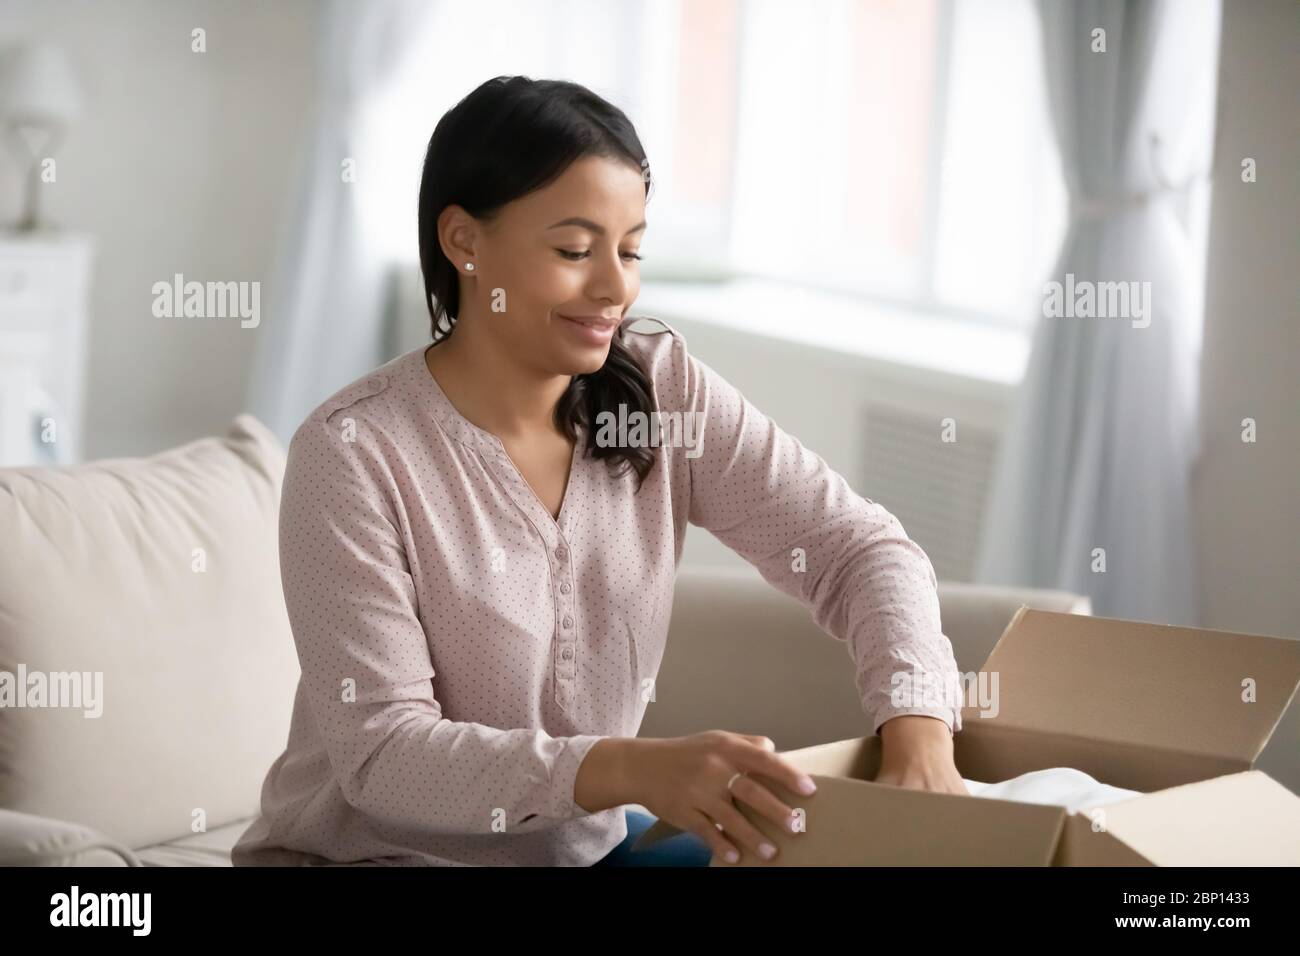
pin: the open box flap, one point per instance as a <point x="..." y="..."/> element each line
<point x="1182" y="689"/>
<point x="1242" y="819"/>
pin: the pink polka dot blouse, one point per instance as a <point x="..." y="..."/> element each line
<point x="461" y="649"/>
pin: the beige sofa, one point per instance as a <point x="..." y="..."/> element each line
<point x="160" y="575"/>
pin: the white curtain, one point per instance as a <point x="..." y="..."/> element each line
<point x="327" y="324"/>
<point x="1092" y="488"/>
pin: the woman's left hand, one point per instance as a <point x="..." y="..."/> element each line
<point x="916" y="752"/>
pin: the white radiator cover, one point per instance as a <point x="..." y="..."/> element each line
<point x="936" y="488"/>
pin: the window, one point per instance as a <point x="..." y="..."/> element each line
<point x="894" y="150"/>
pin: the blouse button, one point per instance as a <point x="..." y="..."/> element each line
<point x="561" y="553"/>
<point x="568" y="621"/>
<point x="566" y="587"/>
<point x="567" y="653"/>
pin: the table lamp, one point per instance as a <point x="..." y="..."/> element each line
<point x="39" y="97"/>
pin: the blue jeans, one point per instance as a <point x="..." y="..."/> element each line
<point x="682" y="849"/>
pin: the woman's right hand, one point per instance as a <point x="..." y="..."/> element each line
<point x="683" y="780"/>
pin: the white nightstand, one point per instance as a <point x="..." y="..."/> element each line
<point x="44" y="281"/>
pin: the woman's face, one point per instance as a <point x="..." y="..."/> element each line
<point x="563" y="253"/>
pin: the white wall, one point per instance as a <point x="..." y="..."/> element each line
<point x="183" y="162"/>
<point x="1247" y="496"/>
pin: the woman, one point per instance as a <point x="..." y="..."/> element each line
<point x="479" y="574"/>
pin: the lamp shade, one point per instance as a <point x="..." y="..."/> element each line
<point x="37" y="86"/>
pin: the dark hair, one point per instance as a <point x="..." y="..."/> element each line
<point x="511" y="136"/>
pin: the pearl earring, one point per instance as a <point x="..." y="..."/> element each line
<point x="469" y="267"/>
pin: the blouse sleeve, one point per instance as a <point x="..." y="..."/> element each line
<point x="367" y="670"/>
<point x="844" y="557"/>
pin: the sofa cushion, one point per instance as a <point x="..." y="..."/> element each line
<point x="27" y="840"/>
<point x="146" y="592"/>
<point x="201" y="849"/>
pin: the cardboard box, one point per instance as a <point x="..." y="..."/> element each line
<point x="1180" y="714"/>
